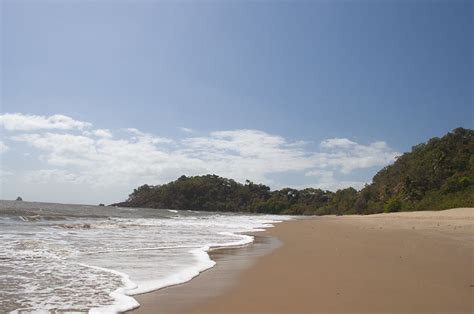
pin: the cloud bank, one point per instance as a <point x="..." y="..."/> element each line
<point x="75" y="152"/>
<point x="21" y="122"/>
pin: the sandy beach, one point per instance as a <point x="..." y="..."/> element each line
<point x="400" y="262"/>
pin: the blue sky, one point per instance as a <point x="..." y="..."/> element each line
<point x="293" y="75"/>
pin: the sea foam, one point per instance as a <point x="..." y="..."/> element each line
<point x="83" y="262"/>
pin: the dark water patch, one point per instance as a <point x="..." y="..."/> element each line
<point x="52" y="211"/>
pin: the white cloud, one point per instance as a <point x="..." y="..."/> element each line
<point x="104" y="133"/>
<point x="347" y="156"/>
<point x="148" y="137"/>
<point x="243" y="154"/>
<point x="105" y="161"/>
<point x="337" y="143"/>
<point x="98" y="159"/>
<point x="3" y="147"/>
<point x="61" y="149"/>
<point x="45" y="176"/>
<point x="21" y="122"/>
<point x="246" y="143"/>
<point x="187" y="130"/>
<point x="323" y="175"/>
<point x="326" y="180"/>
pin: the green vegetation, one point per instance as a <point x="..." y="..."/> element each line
<point x="435" y="175"/>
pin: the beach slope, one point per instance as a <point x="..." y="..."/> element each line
<point x="400" y="262"/>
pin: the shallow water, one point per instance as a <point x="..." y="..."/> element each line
<point x="91" y="258"/>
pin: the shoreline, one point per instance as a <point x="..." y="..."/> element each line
<point x="230" y="262"/>
<point x="125" y="302"/>
<point x="402" y="262"/>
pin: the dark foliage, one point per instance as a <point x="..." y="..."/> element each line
<point x="435" y="175"/>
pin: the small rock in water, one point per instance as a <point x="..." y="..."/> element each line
<point x="19" y="199"/>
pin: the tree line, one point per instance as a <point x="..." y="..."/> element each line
<point x="438" y="174"/>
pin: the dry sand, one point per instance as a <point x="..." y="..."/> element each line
<point x="401" y="262"/>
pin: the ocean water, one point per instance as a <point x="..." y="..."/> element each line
<point x="56" y="257"/>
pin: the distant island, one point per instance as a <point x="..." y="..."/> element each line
<point x="435" y="175"/>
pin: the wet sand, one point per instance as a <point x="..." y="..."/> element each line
<point x="401" y="262"/>
<point x="230" y="263"/>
